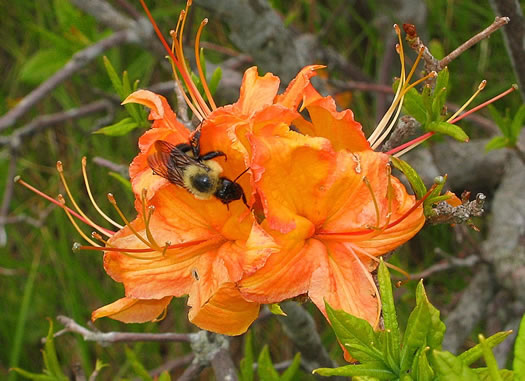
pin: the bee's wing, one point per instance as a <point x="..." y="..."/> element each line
<point x="170" y="162"/>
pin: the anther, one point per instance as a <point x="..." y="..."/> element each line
<point x="111" y="199"/>
<point x="77" y="247"/>
<point x="60" y="167"/>
<point x="16" y="179"/>
<point x="482" y="85"/>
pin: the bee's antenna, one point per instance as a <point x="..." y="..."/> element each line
<point x="242" y="173"/>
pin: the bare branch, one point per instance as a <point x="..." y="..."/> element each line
<point x="444" y="213"/>
<point x="498" y="23"/>
<point x="119" y="168"/>
<point x="212" y="348"/>
<point x="8" y="194"/>
<point x="119" y="337"/>
<point x="451" y="263"/>
<point x="79" y="60"/>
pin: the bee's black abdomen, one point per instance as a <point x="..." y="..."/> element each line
<point x="202" y="182"/>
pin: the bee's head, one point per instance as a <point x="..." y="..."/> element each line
<point x="229" y="191"/>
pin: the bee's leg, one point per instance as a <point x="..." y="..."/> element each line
<point x="195" y="144"/>
<point x="244" y="200"/>
<point x="213" y="154"/>
<point x="184" y="147"/>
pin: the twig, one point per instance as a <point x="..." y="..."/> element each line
<point x="44" y="121"/>
<point x="211" y="348"/>
<point x="223" y="366"/>
<point x="171" y="365"/>
<point x="118" y="337"/>
<point x="431" y="63"/>
<point x="498" y="23"/>
<point x="191" y="372"/>
<point x="123" y="170"/>
<point x="8" y="194"/>
<point x="106" y="14"/>
<point x="406" y="127"/>
<point x="452" y="263"/>
<point x="79" y="60"/>
<point x="445" y="213"/>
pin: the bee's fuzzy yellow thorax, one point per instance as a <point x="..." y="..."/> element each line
<point x="213" y="172"/>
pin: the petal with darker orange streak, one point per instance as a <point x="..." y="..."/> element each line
<point x="297" y="90"/>
<point x="338" y="127"/>
<point x="256" y="92"/>
<point x="216" y="304"/>
<point x="129" y="310"/>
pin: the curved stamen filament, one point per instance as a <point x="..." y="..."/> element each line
<point x="147" y="217"/>
<point x="465" y="105"/>
<point x="95" y="205"/>
<point x="375" y="259"/>
<point x="113" y="202"/>
<point x="374" y="200"/>
<point x="144" y="250"/>
<point x="18" y="180"/>
<point x="60" y="170"/>
<point x="74" y="223"/>
<point x="199" y="66"/>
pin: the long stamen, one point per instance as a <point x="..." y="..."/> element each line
<point x="74" y="223"/>
<point x="147" y="217"/>
<point x="113" y="202"/>
<point x="18" y="180"/>
<point x="375" y="259"/>
<point x="60" y="170"/>
<point x="192" y="89"/>
<point x="145" y="250"/>
<point x="199" y="66"/>
<point x="480" y="88"/>
<point x="374" y="200"/>
<point x="95" y="205"/>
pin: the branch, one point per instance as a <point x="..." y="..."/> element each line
<point x="444" y="213"/>
<point x="8" y="195"/>
<point x="451" y="263"/>
<point x="498" y="23"/>
<point x="119" y="337"/>
<point x="212" y="348"/>
<point x="79" y="60"/>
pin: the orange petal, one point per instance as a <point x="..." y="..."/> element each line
<point x="453" y="200"/>
<point x="338" y="127"/>
<point x="129" y="310"/>
<point x="296" y="90"/>
<point x="225" y="312"/>
<point x="256" y="92"/>
<point x="161" y="111"/>
<point x="343" y="280"/>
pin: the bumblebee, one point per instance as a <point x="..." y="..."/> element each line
<point x="183" y="165"/>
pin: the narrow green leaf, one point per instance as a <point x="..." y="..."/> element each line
<point x="118" y="129"/>
<point x="519" y="352"/>
<point x="34" y="376"/>
<point x="50" y="355"/>
<point x="122" y="180"/>
<point x="438" y="103"/>
<point x="497" y="142"/>
<point x="215" y="79"/>
<point x="164" y="376"/>
<point x="375" y="369"/>
<point x="423" y="370"/>
<point x="289" y="373"/>
<point x="114" y="78"/>
<point x="448" y="129"/>
<point x="490" y="360"/>
<point x="442" y="80"/>
<point x="412" y="176"/>
<point x="355" y="334"/>
<point x="265" y="368"/>
<point x="450" y="368"/>
<point x="437" y="328"/>
<point x="276" y="309"/>
<point x="517" y="124"/>
<point x="426" y="97"/>
<point x="504" y="374"/>
<point x="501" y="121"/>
<point x="389" y="313"/>
<point x="413" y="106"/>
<point x="474" y="353"/>
<point x="246" y="365"/>
<point x="42" y="65"/>
<point x="419" y="322"/>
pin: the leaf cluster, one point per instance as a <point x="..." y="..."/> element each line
<point x="417" y="355"/>
<point x="509" y="126"/>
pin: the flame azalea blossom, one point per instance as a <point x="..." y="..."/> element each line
<point x="328" y="199"/>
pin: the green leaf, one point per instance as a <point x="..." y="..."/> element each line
<point x="137" y="366"/>
<point x="34" y="376"/>
<point x="423" y="370"/>
<point x="389" y="316"/>
<point x="504" y="374"/>
<point x="246" y="365"/>
<point x="497" y="142"/>
<point x="215" y="79"/>
<point x="292" y="369"/>
<point x="114" y="78"/>
<point x="450" y="368"/>
<point x="437" y="328"/>
<point x="122" y="180"/>
<point x="50" y="356"/>
<point x="440" y="93"/>
<point x="375" y="369"/>
<point x="413" y="106"/>
<point x="517" y="124"/>
<point x="265" y="368"/>
<point x="118" y="129"/>
<point x="412" y="176"/>
<point x="418" y="325"/>
<point x="501" y="121"/>
<point x="436" y="48"/>
<point x="355" y="334"/>
<point x="519" y="352"/>
<point x="164" y="376"/>
<point x="42" y="65"/>
<point x="474" y="353"/>
<point x="448" y="129"/>
<point x="490" y="360"/>
<point x="276" y="309"/>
